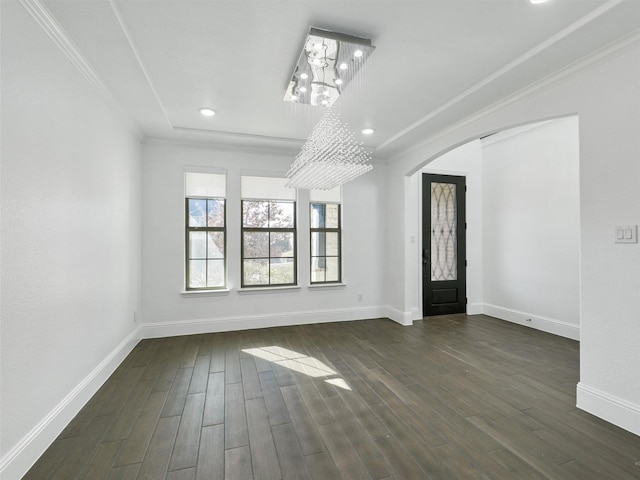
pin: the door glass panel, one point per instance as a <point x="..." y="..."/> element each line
<point x="443" y="232"/>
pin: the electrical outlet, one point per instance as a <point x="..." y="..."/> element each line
<point x="360" y="297"/>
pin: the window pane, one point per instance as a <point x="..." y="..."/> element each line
<point x="333" y="269"/>
<point x="197" y="245"/>
<point x="318" y="244"/>
<point x="197" y="273"/>
<point x="256" y="272"/>
<point x="256" y="244"/>
<point x="318" y="269"/>
<point x="332" y="244"/>
<point x="332" y="215"/>
<point x="281" y="215"/>
<point x="197" y="212"/>
<point x="215" y="273"/>
<point x="281" y="244"/>
<point x="215" y="217"/>
<point x="215" y="245"/>
<point x="282" y="270"/>
<point x="255" y="214"/>
<point x="317" y="215"/>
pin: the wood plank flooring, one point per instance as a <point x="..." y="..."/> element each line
<point x="451" y="397"/>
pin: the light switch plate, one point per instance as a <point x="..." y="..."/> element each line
<point x="626" y="234"/>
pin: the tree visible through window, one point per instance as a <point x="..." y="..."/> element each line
<point x="325" y="243"/>
<point x="205" y="231"/>
<point x="268" y="243"/>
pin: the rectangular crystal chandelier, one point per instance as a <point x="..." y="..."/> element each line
<point x="330" y="156"/>
<point x="327" y="63"/>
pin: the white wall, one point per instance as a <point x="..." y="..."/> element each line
<point x="604" y="95"/>
<point x="169" y="311"/>
<point x="70" y="249"/>
<point x="532" y="226"/>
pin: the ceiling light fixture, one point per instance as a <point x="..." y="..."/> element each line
<point x="207" y="112"/>
<point x="368" y="131"/>
<point x="537" y="2"/>
<point x="323" y="54"/>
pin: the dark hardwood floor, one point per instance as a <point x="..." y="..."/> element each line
<point x="452" y="397"/>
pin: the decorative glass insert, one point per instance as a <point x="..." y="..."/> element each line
<point x="443" y="232"/>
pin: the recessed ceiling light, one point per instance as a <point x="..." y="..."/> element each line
<point x="294" y="98"/>
<point x="358" y="53"/>
<point x="304" y="76"/>
<point x="303" y="89"/>
<point x="207" y="112"/>
<point x="338" y="81"/>
<point x="368" y="131"/>
<point x="343" y="66"/>
<point x="536" y="2"/>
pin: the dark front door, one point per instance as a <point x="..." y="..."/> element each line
<point x="443" y="245"/>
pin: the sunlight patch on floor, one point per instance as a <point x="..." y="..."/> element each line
<point x="298" y="362"/>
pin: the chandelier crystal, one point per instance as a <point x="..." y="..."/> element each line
<point x="330" y="157"/>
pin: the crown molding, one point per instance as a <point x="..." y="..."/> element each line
<point x="575" y="26"/>
<point x="594" y="59"/>
<point x="245" y="136"/>
<point x="61" y="39"/>
<point x="52" y="28"/>
<point x="136" y="53"/>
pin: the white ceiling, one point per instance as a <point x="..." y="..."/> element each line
<point x="436" y="61"/>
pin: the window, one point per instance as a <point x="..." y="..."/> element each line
<point x="325" y="242"/>
<point x="326" y="236"/>
<point x="205" y="205"/>
<point x="268" y="233"/>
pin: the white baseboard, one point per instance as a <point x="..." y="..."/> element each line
<point x="22" y="456"/>
<point x="474" y="308"/>
<point x="398" y="316"/>
<point x="609" y="407"/>
<point x="549" y="325"/>
<point x="248" y="322"/>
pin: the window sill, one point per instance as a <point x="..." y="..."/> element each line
<point x="322" y="286"/>
<point x="205" y="293"/>
<point x="250" y="290"/>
